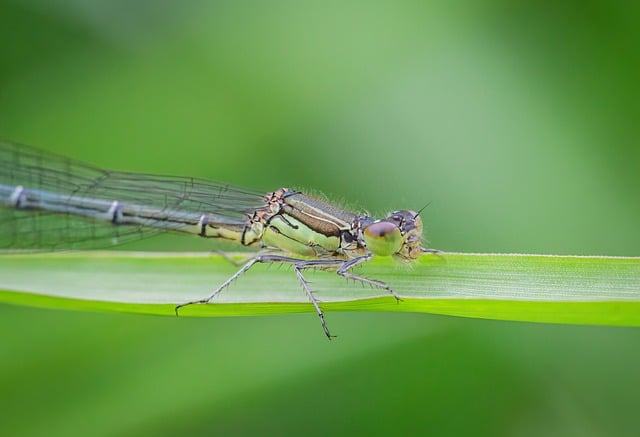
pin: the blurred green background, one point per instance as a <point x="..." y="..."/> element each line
<point x="518" y="122"/>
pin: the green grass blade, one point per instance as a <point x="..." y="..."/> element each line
<point x="555" y="289"/>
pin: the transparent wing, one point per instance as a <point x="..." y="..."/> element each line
<point x="44" y="231"/>
<point x="34" y="169"/>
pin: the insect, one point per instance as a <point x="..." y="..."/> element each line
<point x="39" y="188"/>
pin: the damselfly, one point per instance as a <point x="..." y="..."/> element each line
<point x="52" y="202"/>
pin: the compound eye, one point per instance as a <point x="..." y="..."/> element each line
<point x="383" y="238"/>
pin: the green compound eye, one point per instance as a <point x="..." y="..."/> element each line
<point x="383" y="238"/>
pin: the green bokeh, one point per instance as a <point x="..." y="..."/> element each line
<point x="518" y="122"/>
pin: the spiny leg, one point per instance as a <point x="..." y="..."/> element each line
<point x="343" y="270"/>
<point x="343" y="267"/>
<point x="247" y="266"/>
<point x="224" y="285"/>
<point x="316" y="264"/>
<point x="348" y="265"/>
<point x="298" y="266"/>
<point x="312" y="298"/>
